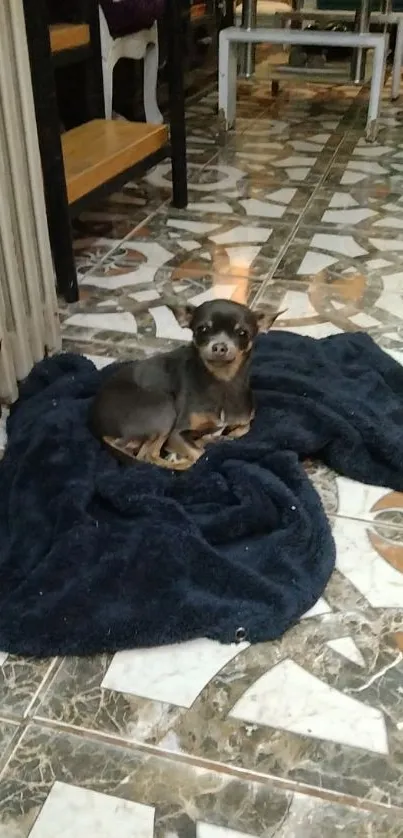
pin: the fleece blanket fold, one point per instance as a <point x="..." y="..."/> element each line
<point x="97" y="556"/>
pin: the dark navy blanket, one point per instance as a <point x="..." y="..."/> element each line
<point x="99" y="556"/>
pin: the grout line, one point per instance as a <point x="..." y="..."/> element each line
<point x="299" y="221"/>
<point x="15" y="745"/>
<point x="46" y="681"/>
<point x="230" y="770"/>
<point x="368" y="522"/>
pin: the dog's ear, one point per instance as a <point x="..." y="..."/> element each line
<point x="183" y="313"/>
<point x="265" y="319"/>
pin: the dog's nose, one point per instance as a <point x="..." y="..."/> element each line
<point x="219" y="348"/>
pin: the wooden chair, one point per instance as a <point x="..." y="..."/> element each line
<point x="140" y="46"/>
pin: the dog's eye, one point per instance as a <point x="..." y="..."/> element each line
<point x="243" y="333"/>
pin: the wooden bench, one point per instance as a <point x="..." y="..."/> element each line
<point x="99" y="151"/>
<point x="67" y="36"/>
<point x="99" y="156"/>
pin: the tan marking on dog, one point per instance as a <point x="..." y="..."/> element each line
<point x="150" y="450"/>
<point x="204" y="422"/>
<point x="236" y="431"/>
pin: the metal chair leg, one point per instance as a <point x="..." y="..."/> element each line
<point x="174" y="28"/>
<point x="227" y="76"/>
<point x="93" y="67"/>
<point x="397" y="61"/>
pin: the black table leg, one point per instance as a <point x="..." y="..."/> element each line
<point x="48" y="127"/>
<point x="228" y="18"/>
<point x="93" y="66"/>
<point x="174" y="29"/>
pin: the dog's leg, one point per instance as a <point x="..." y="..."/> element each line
<point x="236" y="431"/>
<point x="241" y="428"/>
<point x="150" y="450"/>
<point x="207" y="439"/>
<point x="177" y="444"/>
<point x="127" y="449"/>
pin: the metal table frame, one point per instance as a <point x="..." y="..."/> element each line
<point x="249" y="19"/>
<point x="230" y="38"/>
<point x="387" y="17"/>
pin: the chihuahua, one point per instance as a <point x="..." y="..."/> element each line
<point x="176" y="402"/>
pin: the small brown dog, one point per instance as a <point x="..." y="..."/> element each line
<point x="177" y="402"/>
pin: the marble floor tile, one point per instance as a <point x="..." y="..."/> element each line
<point x="297" y="133"/>
<point x="176" y="254"/>
<point x="122" y="791"/>
<point x="291" y="124"/>
<point x="339" y="672"/>
<point x="334" y="301"/>
<point x="159" y="673"/>
<point x="358" y="162"/>
<point x="217" y="177"/>
<point x="338" y="724"/>
<point x="21" y="680"/>
<point x="9" y="733"/>
<point x="183" y="241"/>
<point x="252" y="198"/>
<point x="378" y="506"/>
<point x="311" y="708"/>
<point x="313" y="97"/>
<point x="371" y="209"/>
<point x="378" y="574"/>
<point x="348" y="273"/>
<point x="90" y="249"/>
<point x="138" y="317"/>
<point x="298" y="161"/>
<point x="118" y="215"/>
<point x="85" y="812"/>
<point x="390" y="118"/>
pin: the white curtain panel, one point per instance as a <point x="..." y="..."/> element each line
<point x="29" y="323"/>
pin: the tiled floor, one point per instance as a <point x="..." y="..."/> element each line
<point x="301" y="738"/>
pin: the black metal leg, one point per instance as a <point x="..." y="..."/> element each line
<point x="174" y="28"/>
<point x="228" y="17"/>
<point x="47" y="120"/>
<point x="93" y="66"/>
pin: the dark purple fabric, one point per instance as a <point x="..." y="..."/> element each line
<point x="128" y="16"/>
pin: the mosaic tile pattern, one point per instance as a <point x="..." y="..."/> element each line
<point x="302" y="737"/>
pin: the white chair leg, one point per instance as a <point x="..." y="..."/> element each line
<point x="397" y="61"/>
<point x="377" y="82"/>
<point x="152" y="111"/>
<point x="227" y="72"/>
<point x="107" y="73"/>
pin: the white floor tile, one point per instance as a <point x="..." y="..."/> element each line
<point x="74" y="812"/>
<point x="346" y="245"/>
<point x="358" y="560"/>
<point x="243" y="234"/>
<point x="290" y="698"/>
<point x="173" y="674"/>
<point x="346" y="647"/>
<point x="207" y="830"/>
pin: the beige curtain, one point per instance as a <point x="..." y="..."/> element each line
<point x="29" y="325"/>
